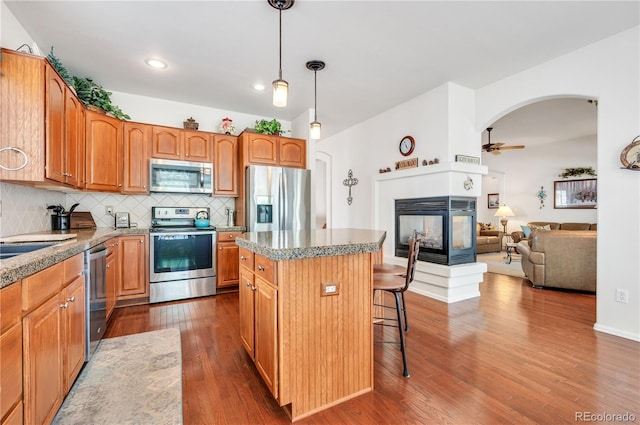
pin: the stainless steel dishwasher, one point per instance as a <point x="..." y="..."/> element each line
<point x="95" y="281"/>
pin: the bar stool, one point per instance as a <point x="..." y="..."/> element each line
<point x="397" y="284"/>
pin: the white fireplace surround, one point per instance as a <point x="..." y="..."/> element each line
<point x="445" y="283"/>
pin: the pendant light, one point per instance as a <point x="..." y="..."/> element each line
<point x="280" y="86"/>
<point x="315" y="126"/>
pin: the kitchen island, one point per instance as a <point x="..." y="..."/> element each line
<point x="306" y="306"/>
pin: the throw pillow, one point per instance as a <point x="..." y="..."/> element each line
<point x="526" y="230"/>
<point x="545" y="227"/>
<point x="486" y="226"/>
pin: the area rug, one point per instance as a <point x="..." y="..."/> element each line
<point x="133" y="379"/>
<point x="496" y="263"/>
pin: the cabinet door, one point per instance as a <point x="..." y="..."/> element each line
<point x="228" y="263"/>
<point x="226" y="165"/>
<point x="73" y="139"/>
<point x="292" y="152"/>
<point x="266" y="318"/>
<point x="246" y="308"/>
<point x="10" y="368"/>
<point x="73" y="298"/>
<point x="133" y="266"/>
<point x="165" y="143"/>
<point x="55" y="120"/>
<point x="103" y="152"/>
<point x="262" y="149"/>
<point x="22" y="121"/>
<point x="111" y="279"/>
<point x="137" y="150"/>
<point x="197" y="146"/>
<point x="43" y="362"/>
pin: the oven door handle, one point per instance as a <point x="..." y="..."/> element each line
<point x="202" y="178"/>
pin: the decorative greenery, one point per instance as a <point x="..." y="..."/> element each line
<point x="268" y="127"/>
<point x="87" y="90"/>
<point x="94" y="94"/>
<point x="58" y="65"/>
<point x="576" y="172"/>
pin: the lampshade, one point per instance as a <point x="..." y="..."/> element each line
<point x="314" y="130"/>
<point x="280" y="93"/>
<point x="504" y="211"/>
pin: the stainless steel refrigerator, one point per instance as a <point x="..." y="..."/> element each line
<point x="278" y="198"/>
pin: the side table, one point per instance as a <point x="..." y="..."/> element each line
<point x="511" y="247"/>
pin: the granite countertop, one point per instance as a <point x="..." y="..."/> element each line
<point x="289" y="244"/>
<point x="21" y="266"/>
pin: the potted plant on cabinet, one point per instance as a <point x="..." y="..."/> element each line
<point x="269" y="127"/>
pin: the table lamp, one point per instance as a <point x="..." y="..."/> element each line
<point x="504" y="211"/>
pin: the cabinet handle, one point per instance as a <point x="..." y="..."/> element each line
<point x="108" y="266"/>
<point x="248" y="283"/>
<point x="230" y="236"/>
<point x="120" y="185"/>
<point x="253" y="288"/>
<point x="141" y="240"/>
<point x="144" y="186"/>
<point x="220" y="249"/>
<point x="242" y="257"/>
<point x="65" y="305"/>
<point x="261" y="268"/>
<point x="72" y="299"/>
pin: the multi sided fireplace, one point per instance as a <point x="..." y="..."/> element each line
<point x="447" y="225"/>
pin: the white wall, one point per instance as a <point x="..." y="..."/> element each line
<point x="525" y="171"/>
<point x="609" y="71"/>
<point x="12" y="34"/>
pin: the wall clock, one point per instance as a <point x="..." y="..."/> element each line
<point x="407" y="144"/>
<point x="630" y="156"/>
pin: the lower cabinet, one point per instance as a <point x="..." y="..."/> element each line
<point x="11" y="354"/>
<point x="112" y="273"/>
<point x="53" y="340"/>
<point x="258" y="302"/>
<point x="134" y="253"/>
<point x="228" y="271"/>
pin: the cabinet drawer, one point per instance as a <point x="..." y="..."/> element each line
<point x="228" y="236"/>
<point x="73" y="267"/>
<point x="40" y="286"/>
<point x="246" y="258"/>
<point x="10" y="305"/>
<point x="265" y="268"/>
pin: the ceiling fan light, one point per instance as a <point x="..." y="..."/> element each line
<point x="280" y="93"/>
<point x="314" y="130"/>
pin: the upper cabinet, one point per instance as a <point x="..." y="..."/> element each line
<point x="273" y="150"/>
<point x="22" y="102"/>
<point x="64" y="132"/>
<point x="137" y="151"/>
<point x="225" y="169"/>
<point x="103" y="152"/>
<point x="184" y="145"/>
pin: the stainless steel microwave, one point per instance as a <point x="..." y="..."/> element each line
<point x="167" y="175"/>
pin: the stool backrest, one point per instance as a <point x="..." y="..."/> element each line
<point x="414" y="248"/>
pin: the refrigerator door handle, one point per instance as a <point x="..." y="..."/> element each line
<point x="282" y="201"/>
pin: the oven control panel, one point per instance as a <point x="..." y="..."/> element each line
<point x="172" y="216"/>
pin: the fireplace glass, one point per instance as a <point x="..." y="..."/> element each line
<point x="447" y="226"/>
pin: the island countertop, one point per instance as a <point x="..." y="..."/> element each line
<point x="295" y="244"/>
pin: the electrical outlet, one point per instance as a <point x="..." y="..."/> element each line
<point x="622" y="296"/>
<point x="108" y="210"/>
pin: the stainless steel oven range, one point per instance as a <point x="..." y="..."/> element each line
<point x="182" y="260"/>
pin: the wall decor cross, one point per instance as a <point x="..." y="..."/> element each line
<point x="350" y="181"/>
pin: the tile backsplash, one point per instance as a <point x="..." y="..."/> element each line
<point x="24" y="208"/>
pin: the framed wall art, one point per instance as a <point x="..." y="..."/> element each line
<point x="493" y="200"/>
<point x="575" y="193"/>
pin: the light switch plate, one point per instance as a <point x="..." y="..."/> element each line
<point x="329" y="288"/>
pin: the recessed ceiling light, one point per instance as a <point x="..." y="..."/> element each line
<point x="258" y="86"/>
<point x="155" y="63"/>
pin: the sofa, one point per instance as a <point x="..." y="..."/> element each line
<point x="488" y="240"/>
<point x="560" y="259"/>
<point x="519" y="235"/>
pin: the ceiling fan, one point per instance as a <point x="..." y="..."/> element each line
<point x="495" y="148"/>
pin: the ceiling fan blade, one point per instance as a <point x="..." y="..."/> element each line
<point x="492" y="145"/>
<point x="511" y="147"/>
<point x="494" y="152"/>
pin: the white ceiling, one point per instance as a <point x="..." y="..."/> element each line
<point x="378" y="53"/>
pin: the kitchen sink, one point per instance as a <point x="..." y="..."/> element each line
<point x="8" y="251"/>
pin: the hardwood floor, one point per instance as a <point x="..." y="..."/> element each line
<point x="515" y="355"/>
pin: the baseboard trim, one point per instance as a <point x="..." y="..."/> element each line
<point x="616" y="332"/>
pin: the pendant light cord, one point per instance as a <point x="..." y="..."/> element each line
<point x="280" y="71"/>
<point x="315" y="95"/>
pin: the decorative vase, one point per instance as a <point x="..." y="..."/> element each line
<point x="191" y="124"/>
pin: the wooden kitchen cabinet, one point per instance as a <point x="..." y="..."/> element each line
<point x="22" y="122"/>
<point x="260" y="148"/>
<point x="103" y="148"/>
<point x="225" y="165"/>
<point x="136" y="146"/>
<point x="134" y="264"/>
<point x="258" y="306"/>
<point x="228" y="271"/>
<point x="182" y="145"/>
<point x="11" y="351"/>
<point x="64" y="144"/>
<point x="292" y="152"/>
<point x="112" y="275"/>
<point x="53" y="337"/>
